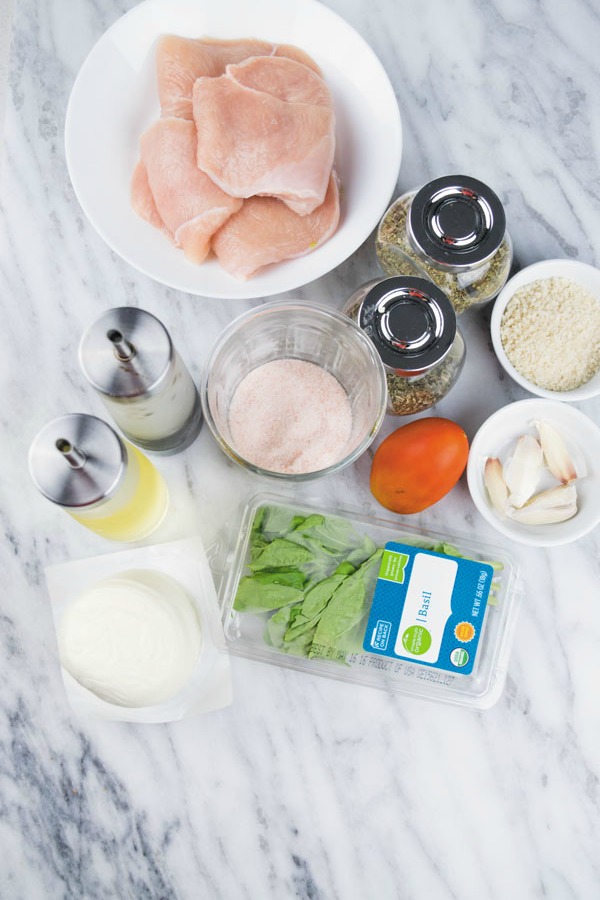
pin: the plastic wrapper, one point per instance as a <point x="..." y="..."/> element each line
<point x="184" y="561"/>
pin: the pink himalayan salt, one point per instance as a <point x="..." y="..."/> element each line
<point x="290" y="416"/>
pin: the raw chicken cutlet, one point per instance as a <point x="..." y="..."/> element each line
<point x="180" y="61"/>
<point x="189" y="204"/>
<point x="267" y="127"/>
<point x="142" y="199"/>
<point x="267" y="121"/>
<point x="266" y="231"/>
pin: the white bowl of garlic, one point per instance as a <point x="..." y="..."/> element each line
<point x="534" y="472"/>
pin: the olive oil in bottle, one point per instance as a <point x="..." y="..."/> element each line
<point x="81" y="464"/>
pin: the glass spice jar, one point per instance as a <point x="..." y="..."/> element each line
<point x="453" y="232"/>
<point x="413" y="326"/>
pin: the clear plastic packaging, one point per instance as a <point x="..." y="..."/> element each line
<point x="183" y="563"/>
<point x="328" y="573"/>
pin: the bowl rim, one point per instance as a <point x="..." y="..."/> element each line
<point x="556" y="537"/>
<point x="545" y="268"/>
<point x="283" y="306"/>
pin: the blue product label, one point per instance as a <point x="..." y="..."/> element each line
<point x="428" y="608"/>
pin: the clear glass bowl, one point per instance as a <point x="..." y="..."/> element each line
<point x="296" y="330"/>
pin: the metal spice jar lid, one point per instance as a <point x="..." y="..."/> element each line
<point x="410" y="321"/>
<point x="456" y="222"/>
<point x="77" y="460"/>
<point x="126" y="353"/>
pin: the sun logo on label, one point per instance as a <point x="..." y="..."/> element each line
<point x="464" y="632"/>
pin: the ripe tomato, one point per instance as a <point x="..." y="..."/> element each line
<point x="418" y="464"/>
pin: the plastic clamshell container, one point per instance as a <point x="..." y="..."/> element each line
<point x="245" y="632"/>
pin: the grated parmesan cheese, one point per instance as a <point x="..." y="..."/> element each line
<point x="550" y="331"/>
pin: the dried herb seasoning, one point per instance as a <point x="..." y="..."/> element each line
<point x="408" y="396"/>
<point x="466" y="275"/>
<point x="413" y="326"/>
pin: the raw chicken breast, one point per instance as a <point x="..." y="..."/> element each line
<point x="141" y="197"/>
<point x="301" y="56"/>
<point x="266" y="231"/>
<point x="191" y="206"/>
<point x="267" y="127"/>
<point x="283" y="78"/>
<point x="180" y="61"/>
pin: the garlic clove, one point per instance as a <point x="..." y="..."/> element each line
<point x="495" y="484"/>
<point x="522" y="471"/>
<point x="554" y="505"/>
<point x="528" y="515"/>
<point x="557" y="457"/>
<point x="561" y="495"/>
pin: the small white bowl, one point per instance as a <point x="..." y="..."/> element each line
<point x="497" y="437"/>
<point x="581" y="273"/>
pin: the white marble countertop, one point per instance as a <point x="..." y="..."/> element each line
<point x="304" y="788"/>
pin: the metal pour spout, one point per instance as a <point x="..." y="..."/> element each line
<point x="123" y="349"/>
<point x="74" y="457"/>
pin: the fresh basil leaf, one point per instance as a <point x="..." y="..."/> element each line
<point x="333" y="534"/>
<point x="280" y="554"/>
<point x="347" y="607"/>
<point x="362" y="553"/>
<point x="253" y="596"/>
<point x="346" y="568"/>
<point x="447" y="549"/>
<point x="296" y="521"/>
<point x="315" y="601"/>
<point x="277" y="521"/>
<point x="257" y="546"/>
<point x="278" y="624"/>
<point x="300" y="646"/>
<point x="310" y="522"/>
<point x="291" y="577"/>
<point x="258" y="519"/>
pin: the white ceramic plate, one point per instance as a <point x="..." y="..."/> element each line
<point x="115" y="99"/>
<point x="497" y="437"/>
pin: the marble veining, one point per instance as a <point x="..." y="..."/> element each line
<point x="304" y="788"/>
